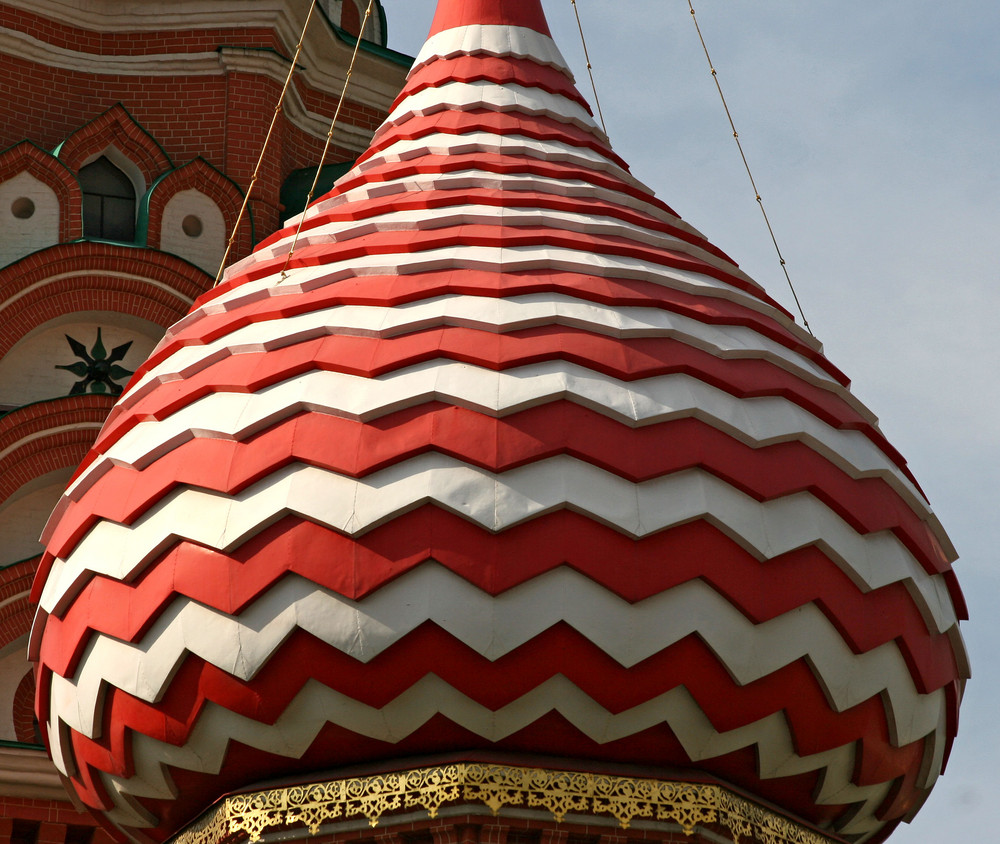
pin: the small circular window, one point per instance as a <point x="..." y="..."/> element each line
<point x="23" y="208"/>
<point x="192" y="226"/>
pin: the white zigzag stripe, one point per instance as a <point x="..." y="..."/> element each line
<point x="465" y="96"/>
<point x="441" y="143"/>
<point x="487" y="258"/>
<point x="298" y="726"/>
<point x="500" y="316"/>
<point x="476" y="178"/>
<point x="341" y="231"/>
<point x="495" y="502"/>
<point x="494" y="627"/>
<point x="756" y="422"/>
<point x="494" y="40"/>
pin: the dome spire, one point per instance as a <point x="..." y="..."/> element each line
<point x="511" y="463"/>
<point x="455" y="13"/>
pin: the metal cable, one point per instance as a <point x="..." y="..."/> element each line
<point x="590" y="69"/>
<point x="746" y="164"/>
<point x="329" y="138"/>
<point x="267" y="141"/>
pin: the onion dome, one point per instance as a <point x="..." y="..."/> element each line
<point x="510" y="461"/>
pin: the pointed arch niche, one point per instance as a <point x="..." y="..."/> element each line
<point x="110" y="197"/>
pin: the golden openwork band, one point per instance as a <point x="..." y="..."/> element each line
<point x="562" y="793"/>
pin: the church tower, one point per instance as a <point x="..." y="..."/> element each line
<point x="489" y="502"/>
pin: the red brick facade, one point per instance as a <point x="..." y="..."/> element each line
<point x="188" y="108"/>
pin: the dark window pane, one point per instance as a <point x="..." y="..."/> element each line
<point x="92" y="215"/>
<point x="108" y="202"/>
<point x="24" y="832"/>
<point x="102" y="177"/>
<point x="119" y="218"/>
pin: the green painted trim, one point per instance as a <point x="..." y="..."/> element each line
<point x="56" y="152"/>
<point x="141" y="225"/>
<point x="20" y="745"/>
<point x="295" y="189"/>
<point x="393" y="56"/>
<point x="42" y="150"/>
<point x="383" y="24"/>
<point x="142" y="220"/>
<point x="5" y="566"/>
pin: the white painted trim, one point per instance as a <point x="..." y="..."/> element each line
<point x="494" y="315"/>
<point x="48" y="432"/>
<point x="30" y="774"/>
<point x="38" y="285"/>
<point x="324" y="59"/>
<point x="466" y="96"/>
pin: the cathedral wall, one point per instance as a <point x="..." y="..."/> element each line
<point x="195" y="229"/>
<point x="28" y="373"/>
<point x="29" y="217"/>
<point x="178" y="95"/>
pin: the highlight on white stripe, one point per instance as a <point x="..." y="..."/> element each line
<point x="494" y="502"/>
<point x="756" y="422"/>
<point x="493" y="40"/>
<point x="465" y="96"/>
<point x="493" y="627"/>
<point x="487" y="313"/>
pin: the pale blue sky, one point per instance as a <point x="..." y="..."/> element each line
<point x="872" y="129"/>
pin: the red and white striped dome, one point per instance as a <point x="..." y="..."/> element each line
<point x="513" y="460"/>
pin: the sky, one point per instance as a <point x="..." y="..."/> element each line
<point x="873" y="132"/>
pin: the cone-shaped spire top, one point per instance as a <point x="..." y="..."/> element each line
<point x="453" y="13"/>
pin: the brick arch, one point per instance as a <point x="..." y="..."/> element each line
<point x="95" y="276"/>
<point x="46" y="437"/>
<point x="16" y="614"/>
<point x="25" y="157"/>
<point x="117" y="128"/>
<point x="202" y="176"/>
<point x="23" y="713"/>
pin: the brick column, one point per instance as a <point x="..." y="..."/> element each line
<point x="494" y="833"/>
<point x="51" y="833"/>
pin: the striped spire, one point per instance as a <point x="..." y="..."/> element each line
<point x="527" y="14"/>
<point x="505" y="458"/>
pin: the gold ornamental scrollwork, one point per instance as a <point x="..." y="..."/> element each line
<point x="561" y="793"/>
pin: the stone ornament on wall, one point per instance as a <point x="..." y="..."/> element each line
<point x="97" y="370"/>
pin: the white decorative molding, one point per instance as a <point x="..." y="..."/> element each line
<point x="325" y="55"/>
<point x="29" y="774"/>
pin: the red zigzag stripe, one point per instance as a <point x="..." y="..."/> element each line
<point x="643" y="569"/>
<point x="498" y="445"/>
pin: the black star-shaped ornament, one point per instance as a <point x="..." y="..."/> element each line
<point x="97" y="369"/>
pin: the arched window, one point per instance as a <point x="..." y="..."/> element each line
<point x="108" y="202"/>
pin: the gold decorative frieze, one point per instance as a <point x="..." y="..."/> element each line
<point x="561" y="793"/>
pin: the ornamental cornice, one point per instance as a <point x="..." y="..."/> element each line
<point x="215" y="63"/>
<point x="376" y="81"/>
<point x="565" y="795"/>
<point x="28" y="773"/>
<point x="275" y="67"/>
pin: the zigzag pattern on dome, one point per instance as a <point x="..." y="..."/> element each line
<point x="512" y="460"/>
